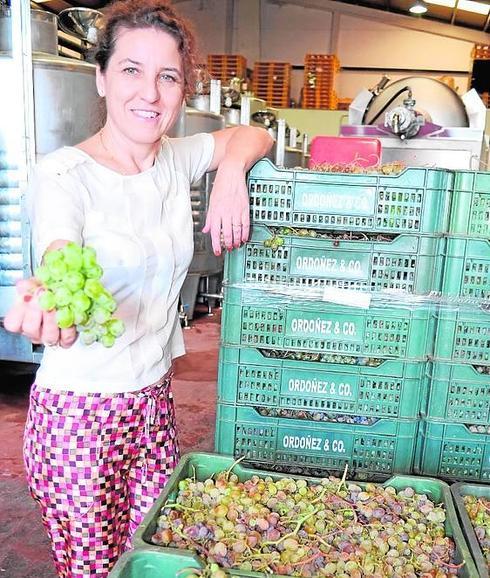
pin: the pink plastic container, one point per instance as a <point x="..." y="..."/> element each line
<point x="363" y="151"/>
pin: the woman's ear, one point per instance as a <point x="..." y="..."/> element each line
<point x="99" y="81"/>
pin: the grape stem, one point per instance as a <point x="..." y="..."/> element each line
<point x="180" y="507"/>
<point x="307" y="560"/>
<point x="449" y="565"/>
<point x="187" y="571"/>
<point x="320" y="495"/>
<point x="199" y="547"/>
<point x="344" y="476"/>
<point x="294" y="532"/>
<point x="483" y="504"/>
<point x="229" y="470"/>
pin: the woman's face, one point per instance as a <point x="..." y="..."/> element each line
<point x="143" y="84"/>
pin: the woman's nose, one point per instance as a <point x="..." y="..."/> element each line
<point x="149" y="90"/>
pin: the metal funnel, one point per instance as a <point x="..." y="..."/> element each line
<point x="84" y="23"/>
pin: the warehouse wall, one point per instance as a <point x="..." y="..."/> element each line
<point x="373" y="44"/>
<point x="274" y="30"/>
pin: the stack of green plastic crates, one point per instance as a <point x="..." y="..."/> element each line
<point x="288" y="357"/>
<point x="455" y="440"/>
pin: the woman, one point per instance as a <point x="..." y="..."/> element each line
<point x="100" y="436"/>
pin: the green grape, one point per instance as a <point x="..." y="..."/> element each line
<point x="51" y="258"/>
<point x="93" y="288"/>
<point x="57" y="270"/>
<point x="115" y="327"/>
<point x="100" y="329"/>
<point x="62" y="297"/>
<point x="74" y="281"/>
<point x="80" y="317"/>
<point x="64" y="317"/>
<point x="72" y="254"/>
<point x="42" y="273"/>
<point x="47" y="300"/>
<point x="94" y="272"/>
<point x="100" y="315"/>
<point x="106" y="301"/>
<point x="88" y="337"/>
<point x="89" y="258"/>
<point x="80" y="301"/>
<point x="107" y="340"/>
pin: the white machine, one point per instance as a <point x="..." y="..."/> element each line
<point x="421" y="122"/>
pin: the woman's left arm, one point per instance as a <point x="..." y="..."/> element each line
<point x="236" y="150"/>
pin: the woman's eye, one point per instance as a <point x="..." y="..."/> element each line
<point x="167" y="78"/>
<point x="130" y="70"/>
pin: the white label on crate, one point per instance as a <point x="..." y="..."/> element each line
<point x="318" y="386"/>
<point x="347" y="297"/>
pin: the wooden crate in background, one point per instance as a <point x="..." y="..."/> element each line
<point x="319" y="81"/>
<point x="481" y="52"/>
<point x="343" y="103"/>
<point x="227" y="66"/>
<point x="272" y="82"/>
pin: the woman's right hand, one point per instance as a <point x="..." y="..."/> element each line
<point x="27" y="318"/>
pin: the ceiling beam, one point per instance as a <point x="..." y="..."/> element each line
<point x="409" y="22"/>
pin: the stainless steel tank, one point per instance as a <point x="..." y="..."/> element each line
<point x="65" y="102"/>
<point x="44" y="31"/>
<point x="65" y="95"/>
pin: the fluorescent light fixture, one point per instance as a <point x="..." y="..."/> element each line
<point x="463" y="5"/>
<point x="418" y="7"/>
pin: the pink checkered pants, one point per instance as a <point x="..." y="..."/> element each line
<point x="95" y="464"/>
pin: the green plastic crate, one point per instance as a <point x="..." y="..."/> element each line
<point x="409" y="263"/>
<point x="467" y="268"/>
<point x="203" y="466"/>
<point x="470" y="206"/>
<point x="393" y="390"/>
<point x="459" y="490"/>
<point x="270" y="321"/>
<point x="414" y="201"/>
<point x="463" y="337"/>
<point x="459" y="394"/>
<point x="154" y="562"/>
<point x="452" y="452"/>
<point x="371" y="451"/>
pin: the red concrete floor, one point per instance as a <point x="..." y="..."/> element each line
<point x="24" y="549"/>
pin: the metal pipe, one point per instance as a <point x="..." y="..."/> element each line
<point x="280" y="142"/>
<point x="304" y="149"/>
<point x="487" y="22"/>
<point x="454" y="12"/>
<point x="245" y="110"/>
<point x="22" y="57"/>
<point x="215" y="96"/>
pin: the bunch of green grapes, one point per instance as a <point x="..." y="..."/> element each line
<point x="71" y="278"/>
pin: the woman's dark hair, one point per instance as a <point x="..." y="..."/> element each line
<point x="158" y="14"/>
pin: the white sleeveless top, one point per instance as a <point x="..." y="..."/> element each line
<point x="141" y="228"/>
